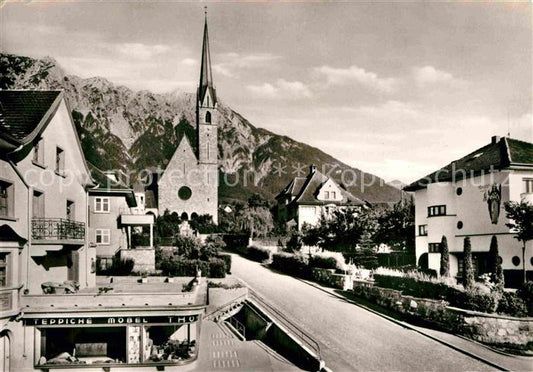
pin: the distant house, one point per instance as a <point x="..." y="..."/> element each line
<point x="466" y="199"/>
<point x="113" y="213"/>
<point x="305" y="199"/>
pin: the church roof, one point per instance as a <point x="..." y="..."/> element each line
<point x="497" y="155"/>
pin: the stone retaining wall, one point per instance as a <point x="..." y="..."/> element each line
<point x="328" y="277"/>
<point x="144" y="258"/>
<point x="487" y="328"/>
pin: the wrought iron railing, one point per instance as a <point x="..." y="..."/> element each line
<point x="57" y="229"/>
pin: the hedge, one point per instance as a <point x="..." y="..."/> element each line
<point x="505" y="303"/>
<point x="323" y="262"/>
<point x="258" y="254"/>
<point x="217" y="268"/>
<point x="179" y="267"/>
<point x="291" y="264"/>
<point x="227" y="260"/>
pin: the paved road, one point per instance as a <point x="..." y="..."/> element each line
<point x="351" y="338"/>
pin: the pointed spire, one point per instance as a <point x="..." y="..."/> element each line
<point x="206" y="77"/>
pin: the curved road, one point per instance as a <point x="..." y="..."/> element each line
<point x="350" y="337"/>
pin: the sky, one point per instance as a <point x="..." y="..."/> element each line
<point x="397" y="89"/>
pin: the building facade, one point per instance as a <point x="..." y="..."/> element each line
<point x="305" y="199"/>
<point x="466" y="199"/>
<point x="189" y="184"/>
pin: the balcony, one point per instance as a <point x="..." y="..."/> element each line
<point x="57" y="231"/>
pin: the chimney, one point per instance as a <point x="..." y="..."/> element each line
<point x="312" y="168"/>
<point x="495" y="139"/>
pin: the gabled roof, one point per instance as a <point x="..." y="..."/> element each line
<point x="499" y="154"/>
<point x="24" y="113"/>
<point x="306" y="189"/>
<point x="108" y="186"/>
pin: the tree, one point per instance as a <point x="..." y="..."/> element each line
<point x="444" y="257"/>
<point x="396" y="227"/>
<point x="346" y="231"/>
<point x="521" y="215"/>
<point x="495" y="265"/>
<point x="468" y="267"/>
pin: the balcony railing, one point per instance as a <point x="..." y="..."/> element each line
<point x="57" y="229"/>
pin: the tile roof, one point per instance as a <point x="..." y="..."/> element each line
<point x="499" y="154"/>
<point x="22" y="112"/>
<point x="305" y="190"/>
<point x="107" y="185"/>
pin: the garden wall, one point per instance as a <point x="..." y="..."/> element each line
<point x="144" y="258"/>
<point x="487" y="328"/>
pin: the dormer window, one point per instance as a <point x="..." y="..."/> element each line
<point x="208" y="114"/>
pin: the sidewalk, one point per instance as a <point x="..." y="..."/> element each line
<point x="222" y="350"/>
<point x="479" y="351"/>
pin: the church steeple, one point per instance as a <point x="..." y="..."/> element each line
<point x="206" y="77"/>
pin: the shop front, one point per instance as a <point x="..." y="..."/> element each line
<point x="114" y="340"/>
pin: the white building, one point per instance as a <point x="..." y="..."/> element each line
<point x="305" y="199"/>
<point x="466" y="198"/>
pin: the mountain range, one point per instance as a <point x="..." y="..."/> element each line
<point x="132" y="130"/>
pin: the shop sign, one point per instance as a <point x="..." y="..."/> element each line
<point x="114" y="320"/>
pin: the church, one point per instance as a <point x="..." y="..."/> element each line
<point x="189" y="184"/>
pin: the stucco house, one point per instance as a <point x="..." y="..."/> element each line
<point x="305" y="199"/>
<point x="466" y="199"/>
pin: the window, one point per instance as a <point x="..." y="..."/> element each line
<point x="38" y="152"/>
<point x="459" y="191"/>
<point x="3" y="270"/>
<point x="437" y="210"/>
<point x="461" y="266"/>
<point x="60" y="160"/>
<point x="459" y="225"/>
<point x="422" y="230"/>
<point x="333" y="195"/>
<point x="184" y="193"/>
<point x="208" y="114"/>
<point x="434" y="247"/>
<point x="38" y="204"/>
<point x="515" y="260"/>
<point x="326" y="194"/>
<point x="6" y="199"/>
<point x="101" y="205"/>
<point x="528" y="185"/>
<point x="70" y="210"/>
<point x="102" y="236"/>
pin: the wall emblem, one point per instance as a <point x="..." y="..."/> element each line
<point x="493" y="197"/>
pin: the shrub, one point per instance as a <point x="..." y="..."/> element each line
<point x="183" y="267"/>
<point x="217" y="268"/>
<point x="511" y="304"/>
<point x="212" y="247"/>
<point x="468" y="268"/>
<point x="526" y="294"/>
<point x="294" y="244"/>
<point x="258" y="254"/>
<point x="188" y="247"/>
<point x="227" y="261"/>
<point x="236" y="242"/>
<point x="122" y="266"/>
<point x="291" y="264"/>
<point x="473" y="300"/>
<point x="444" y="257"/>
<point x="323" y="262"/>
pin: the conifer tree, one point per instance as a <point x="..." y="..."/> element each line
<point x="444" y="257"/>
<point x="495" y="265"/>
<point x="468" y="267"/>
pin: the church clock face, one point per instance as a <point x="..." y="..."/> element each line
<point x="184" y="193"/>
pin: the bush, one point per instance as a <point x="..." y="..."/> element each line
<point x="217" y="268"/>
<point x="122" y="266"/>
<point x="188" y="247"/>
<point x="227" y="261"/>
<point x="323" y="262"/>
<point x="511" y="304"/>
<point x="236" y="242"/>
<point x="526" y="294"/>
<point x="291" y="264"/>
<point x="258" y="254"/>
<point x="183" y="267"/>
<point x="473" y="300"/>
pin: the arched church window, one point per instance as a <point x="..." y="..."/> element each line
<point x="208" y="117"/>
<point x="184" y="216"/>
